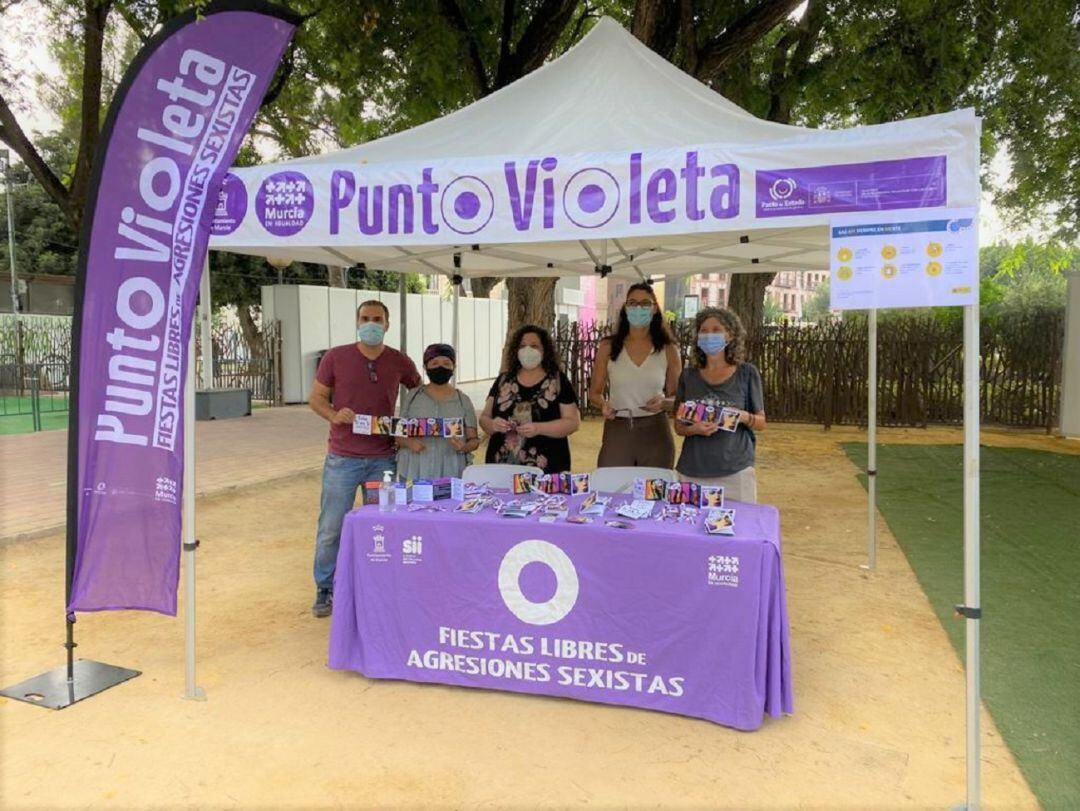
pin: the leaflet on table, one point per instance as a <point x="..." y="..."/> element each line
<point x="368" y="425"/>
<point x="594" y="504"/>
<point x="636" y="509"/>
<point x="679" y="492"/>
<point x="551" y="483"/>
<point x="720" y="522"/>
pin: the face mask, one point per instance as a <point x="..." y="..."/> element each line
<point x="440" y="375"/>
<point x="370" y="333"/>
<point x="711" y="343"/>
<point x="639" y="316"/>
<point x="530" y="357"/>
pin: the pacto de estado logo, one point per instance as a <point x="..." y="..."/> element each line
<point x="782" y="188"/>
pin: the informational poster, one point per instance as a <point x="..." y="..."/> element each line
<point x="909" y="259"/>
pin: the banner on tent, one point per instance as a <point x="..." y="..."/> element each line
<point x="563" y="197"/>
<point x="172" y="132"/>
<point x="924" y="259"/>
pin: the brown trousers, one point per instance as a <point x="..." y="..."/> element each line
<point x="637" y="442"/>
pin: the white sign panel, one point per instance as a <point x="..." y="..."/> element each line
<point x="910" y="259"/>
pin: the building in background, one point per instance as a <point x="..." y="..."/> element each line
<point x="789" y="290"/>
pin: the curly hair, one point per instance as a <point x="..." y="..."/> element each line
<point x="511" y="365"/>
<point x="658" y="330"/>
<point x="735" y="351"/>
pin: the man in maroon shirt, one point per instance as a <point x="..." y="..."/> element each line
<point x="357" y="378"/>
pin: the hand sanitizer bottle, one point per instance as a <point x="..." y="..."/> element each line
<point x="385" y="495"/>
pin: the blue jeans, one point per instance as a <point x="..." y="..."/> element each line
<point x="341" y="476"/>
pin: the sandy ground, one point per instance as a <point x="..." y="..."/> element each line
<point x="879" y="691"/>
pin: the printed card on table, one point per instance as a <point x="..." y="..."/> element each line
<point x="712" y="495"/>
<point x="636" y="509"/>
<point x="471" y="505"/>
<point x="594" y="504"/>
<point x="581" y="483"/>
<point x="720" y="522"/>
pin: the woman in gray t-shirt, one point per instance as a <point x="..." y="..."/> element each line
<point x="720" y="378"/>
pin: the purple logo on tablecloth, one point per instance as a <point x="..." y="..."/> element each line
<point x="231" y="206"/>
<point x="724" y="570"/>
<point x="538" y="611"/>
<point x="877" y="186"/>
<point x="284" y="203"/>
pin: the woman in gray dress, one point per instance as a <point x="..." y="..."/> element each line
<point x="721" y="452"/>
<point x="431" y="457"/>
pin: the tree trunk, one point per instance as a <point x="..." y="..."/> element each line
<point x="532" y="301"/>
<point x="481" y="286"/>
<point x="252" y="336"/>
<point x="336" y="276"/>
<point x="747" y="299"/>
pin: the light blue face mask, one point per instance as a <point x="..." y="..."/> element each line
<point x="639" y="316"/>
<point x="370" y="333"/>
<point x="712" y="343"/>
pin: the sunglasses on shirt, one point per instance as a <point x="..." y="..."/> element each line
<point x="373" y="376"/>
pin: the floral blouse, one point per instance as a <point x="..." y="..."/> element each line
<point x="539" y="403"/>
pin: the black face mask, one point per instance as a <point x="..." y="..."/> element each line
<point x="440" y="375"/>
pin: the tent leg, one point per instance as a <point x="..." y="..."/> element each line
<point x="403" y="302"/>
<point x="457" y="317"/>
<point x="205" y="315"/>
<point x="191" y="689"/>
<point x="972" y="608"/>
<point x="871" y="440"/>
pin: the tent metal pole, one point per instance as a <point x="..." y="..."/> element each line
<point x="457" y="316"/>
<point x="205" y="315"/>
<point x="191" y="689"/>
<point x="871" y="439"/>
<point x="972" y="608"/>
<point x="403" y="306"/>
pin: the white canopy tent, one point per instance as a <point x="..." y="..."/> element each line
<point x="610" y="160"/>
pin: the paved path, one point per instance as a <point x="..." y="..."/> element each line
<point x="270" y="444"/>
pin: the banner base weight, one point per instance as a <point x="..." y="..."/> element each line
<point x="52" y="689"/>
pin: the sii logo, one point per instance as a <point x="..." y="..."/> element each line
<point x="412" y="546"/>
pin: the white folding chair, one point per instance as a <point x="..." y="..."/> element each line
<point x="496" y="475"/>
<point x="621" y="479"/>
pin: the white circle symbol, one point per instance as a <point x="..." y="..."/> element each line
<point x="591" y="197"/>
<point x="466" y="204"/>
<point x="566" y="582"/>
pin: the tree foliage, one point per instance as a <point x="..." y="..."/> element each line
<point x="361" y="70"/>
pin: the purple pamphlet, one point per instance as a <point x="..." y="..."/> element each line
<point x="173" y="130"/>
<point x="663" y="617"/>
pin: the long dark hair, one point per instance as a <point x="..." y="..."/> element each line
<point x="658" y="330"/>
<point x="511" y="365"/>
<point x="735" y="351"/>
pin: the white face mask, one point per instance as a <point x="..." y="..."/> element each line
<point x="530" y="357"/>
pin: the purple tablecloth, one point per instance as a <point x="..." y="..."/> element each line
<point x="661" y="616"/>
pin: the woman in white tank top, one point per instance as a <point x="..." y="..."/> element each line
<point x="639" y="368"/>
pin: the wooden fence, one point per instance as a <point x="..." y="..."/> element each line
<point x="817" y="373"/>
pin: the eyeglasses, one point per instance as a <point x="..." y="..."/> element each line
<point x="373" y="376"/>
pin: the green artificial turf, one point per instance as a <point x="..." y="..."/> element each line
<point x="1030" y="587"/>
<point x="54" y="414"/>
